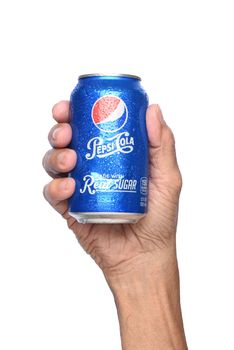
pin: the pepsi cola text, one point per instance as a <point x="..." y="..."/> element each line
<point x="110" y="139"/>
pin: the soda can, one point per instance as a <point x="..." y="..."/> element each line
<point x="110" y="139"/>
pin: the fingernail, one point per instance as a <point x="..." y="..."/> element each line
<point x="55" y="133"/>
<point x="64" y="185"/>
<point x="62" y="158"/>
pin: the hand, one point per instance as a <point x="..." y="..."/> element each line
<point x="118" y="249"/>
<point x="138" y="260"/>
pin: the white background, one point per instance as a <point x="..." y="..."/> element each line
<point x="52" y="295"/>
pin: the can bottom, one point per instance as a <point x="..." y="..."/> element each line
<point x="106" y="218"/>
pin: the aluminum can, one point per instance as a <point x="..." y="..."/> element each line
<point x="109" y="136"/>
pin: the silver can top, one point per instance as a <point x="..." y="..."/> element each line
<point x="109" y="75"/>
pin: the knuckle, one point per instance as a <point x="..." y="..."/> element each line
<point x="45" y="191"/>
<point x="54" y="108"/>
<point x="43" y="162"/>
<point x="49" y="191"/>
<point x="169" y="136"/>
<point x="56" y="161"/>
<point x="52" y="133"/>
<point x="60" y="135"/>
<point x="53" y="162"/>
<point x="52" y="190"/>
<point x="62" y="160"/>
<point x="177" y="180"/>
<point x="174" y="182"/>
<point x="45" y="159"/>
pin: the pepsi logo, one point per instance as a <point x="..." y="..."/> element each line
<point x="109" y="113"/>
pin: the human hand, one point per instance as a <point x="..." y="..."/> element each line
<point x="119" y="248"/>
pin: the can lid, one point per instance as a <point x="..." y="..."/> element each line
<point x="109" y="75"/>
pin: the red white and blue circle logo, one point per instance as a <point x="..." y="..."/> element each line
<point x="109" y="113"/>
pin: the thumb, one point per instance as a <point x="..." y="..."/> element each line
<point x="162" y="153"/>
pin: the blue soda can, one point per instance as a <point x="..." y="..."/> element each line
<point x="110" y="139"/>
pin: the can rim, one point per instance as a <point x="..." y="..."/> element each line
<point x="109" y="75"/>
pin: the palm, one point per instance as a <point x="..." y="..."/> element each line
<point x="113" y="245"/>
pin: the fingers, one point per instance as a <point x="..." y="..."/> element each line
<point x="58" y="161"/>
<point x="168" y="151"/>
<point x="163" y="162"/>
<point x="154" y="124"/>
<point x="58" y="191"/>
<point x="61" y="160"/>
<point x="60" y="111"/>
<point x="60" y="135"/>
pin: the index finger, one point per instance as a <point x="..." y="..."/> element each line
<point x="60" y="111"/>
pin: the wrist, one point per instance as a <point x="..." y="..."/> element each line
<point x="147" y="298"/>
<point x="143" y="272"/>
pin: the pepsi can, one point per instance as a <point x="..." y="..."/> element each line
<point x="110" y="139"/>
